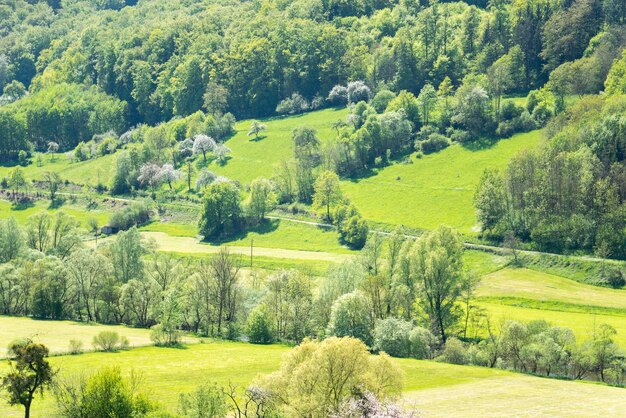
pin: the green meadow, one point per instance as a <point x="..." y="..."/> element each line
<point x="435" y="189"/>
<point x="56" y="335"/>
<point x="253" y="157"/>
<point x="22" y="213"/>
<point x="91" y="172"/>
<point x="167" y="372"/>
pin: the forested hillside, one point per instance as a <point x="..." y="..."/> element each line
<point x="158" y="60"/>
<point x="427" y="198"/>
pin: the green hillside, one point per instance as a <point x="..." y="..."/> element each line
<point x="435" y="189"/>
<point x="253" y="158"/>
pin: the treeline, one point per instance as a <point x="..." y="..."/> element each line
<point x="165" y="60"/>
<point x="569" y="193"/>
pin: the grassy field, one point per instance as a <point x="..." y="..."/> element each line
<point x="57" y="334"/>
<point x="252" y="158"/>
<point x="582" y="323"/>
<point x="275" y="233"/>
<point x="191" y="246"/>
<point x="531" y="284"/>
<point x="167" y="372"/>
<point x="525" y="295"/>
<point x="436" y="189"/>
<point x="519" y="396"/>
<point x="81" y="214"/>
<point x="90" y="172"/>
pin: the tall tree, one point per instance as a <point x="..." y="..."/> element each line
<point x="30" y="373"/>
<point x="327" y="192"/>
<point x="437" y="263"/>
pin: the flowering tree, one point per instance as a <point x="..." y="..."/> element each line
<point x="169" y="174"/>
<point x="203" y="144"/>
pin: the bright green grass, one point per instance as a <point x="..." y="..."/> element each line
<point x="81" y="214"/>
<point x="253" y="158"/>
<point x="275" y="233"/>
<point x="436" y="189"/>
<point x="90" y="172"/>
<point x="167" y="372"/>
<point x="56" y="335"/>
<point x="481" y="263"/>
<point x="582" y="323"/>
<point x="536" y="285"/>
<point x="190" y="246"/>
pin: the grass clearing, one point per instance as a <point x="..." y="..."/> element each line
<point x="436" y="189"/>
<point x="7" y="210"/>
<point x="582" y="323"/>
<point x="252" y="158"/>
<point x="481" y="263"/>
<point x="274" y="233"/>
<point x="90" y="172"/>
<point x="191" y="246"/>
<point x="519" y="396"/>
<point x="57" y="334"/>
<point x="531" y="284"/>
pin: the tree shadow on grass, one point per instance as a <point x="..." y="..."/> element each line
<point x="56" y="203"/>
<point x="23" y="205"/>
<point x="178" y="346"/>
<point x="480" y="144"/>
<point x="257" y="138"/>
<point x="265" y="227"/>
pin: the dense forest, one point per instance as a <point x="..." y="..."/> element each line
<point x="77" y="68"/>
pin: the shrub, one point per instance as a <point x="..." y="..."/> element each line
<point x="232" y="332"/>
<point x="260" y="328"/>
<point x="460" y="136"/>
<point x="435" y="142"/>
<point x="454" y="352"/>
<point x="338" y="95"/>
<point x="510" y="111"/>
<point x="391" y="335"/>
<point x="422" y="343"/>
<point x="541" y="113"/>
<point x="207" y="401"/>
<point x="163" y="336"/>
<point x="382" y="99"/>
<point x="615" y="278"/>
<point x="293" y="105"/>
<point x="23" y="158"/>
<point x="109" y="341"/>
<point x="350" y="316"/>
<point x="317" y="102"/>
<point x="81" y="152"/>
<point x="109" y="394"/>
<point x="76" y="346"/>
<point x="354" y="231"/>
<point x="126" y="218"/>
<point x="358" y="91"/>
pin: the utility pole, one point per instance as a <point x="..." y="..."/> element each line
<point x="251" y="249"/>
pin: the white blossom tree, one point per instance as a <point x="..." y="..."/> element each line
<point x="150" y="174"/>
<point x="205" y="178"/>
<point x="203" y="144"/>
<point x="256" y="128"/>
<point x="169" y="174"/>
<point x="221" y="152"/>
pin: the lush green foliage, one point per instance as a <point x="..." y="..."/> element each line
<point x="568" y="194"/>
